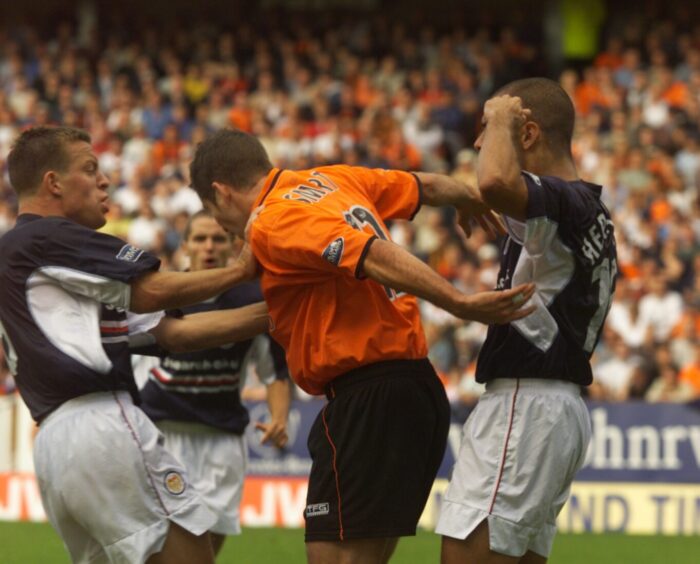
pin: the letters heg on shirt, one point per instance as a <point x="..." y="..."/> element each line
<point x="334" y="251"/>
<point x="129" y="253"/>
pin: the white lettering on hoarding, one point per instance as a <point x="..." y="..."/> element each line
<point x="280" y="504"/>
<point x="641" y="447"/>
<point x="22" y="499"/>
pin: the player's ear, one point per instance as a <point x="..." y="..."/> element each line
<point x="52" y="183"/>
<point x="222" y="193"/>
<point x="530" y="134"/>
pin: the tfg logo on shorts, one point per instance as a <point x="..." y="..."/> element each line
<point x="334" y="251"/>
<point x="317" y="509"/>
<point x="129" y="253"/>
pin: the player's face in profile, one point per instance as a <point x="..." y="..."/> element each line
<point x="227" y="214"/>
<point x="84" y="188"/>
<point x="480" y="139"/>
<point x="208" y="245"/>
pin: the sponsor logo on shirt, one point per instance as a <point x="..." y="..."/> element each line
<point x="174" y="483"/>
<point x="129" y="253"/>
<point x="334" y="251"/>
<point x="317" y="509"/>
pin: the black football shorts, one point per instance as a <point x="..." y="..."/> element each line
<point x="376" y="447"/>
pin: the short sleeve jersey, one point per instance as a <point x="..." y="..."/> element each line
<point x="566" y="247"/>
<point x="64" y="292"/>
<point x="311" y="239"/>
<point x="204" y="386"/>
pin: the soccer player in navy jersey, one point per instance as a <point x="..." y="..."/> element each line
<point x="108" y="485"/>
<point x="195" y="397"/>
<point x="529" y="433"/>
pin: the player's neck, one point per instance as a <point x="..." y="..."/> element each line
<point x="255" y="191"/>
<point x="38" y="205"/>
<point x="548" y="165"/>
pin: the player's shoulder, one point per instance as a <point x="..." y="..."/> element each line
<point x="578" y="186"/>
<point x="553" y="192"/>
<point x="30" y="223"/>
<point x="31" y="230"/>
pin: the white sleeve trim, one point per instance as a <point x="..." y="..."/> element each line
<point x="99" y="288"/>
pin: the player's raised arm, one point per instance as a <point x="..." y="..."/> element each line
<point x="209" y="329"/>
<point x="390" y="265"/>
<point x="499" y="171"/>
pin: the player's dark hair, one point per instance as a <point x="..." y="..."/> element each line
<point x="39" y="150"/>
<point x="230" y="156"/>
<point x="194" y="217"/>
<point x="551" y="107"/>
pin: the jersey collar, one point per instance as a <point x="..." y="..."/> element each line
<point x="270" y="182"/>
<point x="27" y="217"/>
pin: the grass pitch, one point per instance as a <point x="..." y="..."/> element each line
<point x="30" y="543"/>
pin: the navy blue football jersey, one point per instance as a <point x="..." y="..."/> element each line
<point x="64" y="292"/>
<point x="566" y="247"/>
<point x="204" y="386"/>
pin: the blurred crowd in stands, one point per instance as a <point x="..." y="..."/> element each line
<point x="373" y="93"/>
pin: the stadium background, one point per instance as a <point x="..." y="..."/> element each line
<point x="400" y="84"/>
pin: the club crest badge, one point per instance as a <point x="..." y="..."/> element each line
<point x="334" y="251"/>
<point x="174" y="483"/>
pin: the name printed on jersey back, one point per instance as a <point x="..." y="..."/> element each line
<point x="597" y="239"/>
<point x="316" y="188"/>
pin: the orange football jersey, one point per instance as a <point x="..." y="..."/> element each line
<point x="311" y="238"/>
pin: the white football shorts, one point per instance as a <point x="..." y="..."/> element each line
<point x="216" y="463"/>
<point x="521" y="447"/>
<point x="108" y="485"/>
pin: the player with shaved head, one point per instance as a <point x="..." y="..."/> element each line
<point x="529" y="433"/>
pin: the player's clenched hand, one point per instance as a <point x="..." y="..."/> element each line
<point x="498" y="307"/>
<point x="506" y="109"/>
<point x="274" y="432"/>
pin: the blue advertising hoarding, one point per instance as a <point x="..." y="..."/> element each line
<point x="631" y="442"/>
<point x="641" y="475"/>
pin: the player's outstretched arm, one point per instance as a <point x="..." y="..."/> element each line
<point x="391" y="265"/>
<point x="442" y="190"/>
<point x="169" y="290"/>
<point x="498" y="171"/>
<point x="209" y="329"/>
<point x="279" y="396"/>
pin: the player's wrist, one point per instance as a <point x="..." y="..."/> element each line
<point x="459" y="305"/>
<point x="466" y="308"/>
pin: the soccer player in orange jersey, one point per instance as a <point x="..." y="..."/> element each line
<point x="342" y="299"/>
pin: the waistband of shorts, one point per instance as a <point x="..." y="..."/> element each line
<point x="88" y="400"/>
<point x="379" y="371"/>
<point x="539" y="384"/>
<point x="191" y="428"/>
